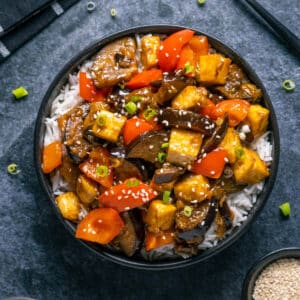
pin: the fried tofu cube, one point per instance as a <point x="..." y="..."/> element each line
<point x="68" y="205"/>
<point x="183" y="147"/>
<point x="258" y="117"/>
<point x="231" y="143"/>
<point x="150" y="46"/>
<point x="160" y="216"/>
<point x="190" y="97"/>
<point x="250" y="169"/>
<point x="212" y="69"/>
<point x="86" y="189"/>
<point x="112" y="126"/>
<point x="192" y="187"/>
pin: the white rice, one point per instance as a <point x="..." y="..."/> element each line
<point x="240" y="203"/>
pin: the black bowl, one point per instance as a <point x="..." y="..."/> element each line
<point x="61" y="79"/>
<point x="251" y="277"/>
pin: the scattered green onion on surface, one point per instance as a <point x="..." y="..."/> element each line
<point x="149" y="113"/>
<point x="102" y="171"/>
<point x="131" y="107"/>
<point x="166" y="197"/>
<point x="20" y="92"/>
<point x="91" y="5"/>
<point x="201" y="2"/>
<point x="101" y="120"/>
<point x="13" y="169"/>
<point x="161" y="156"/>
<point x="187" y="210"/>
<point x="113" y="12"/>
<point x="136" y="98"/>
<point x="164" y="145"/>
<point x="285" y="209"/>
<point x="289" y="85"/>
<point x="188" y="68"/>
<point x="133" y="183"/>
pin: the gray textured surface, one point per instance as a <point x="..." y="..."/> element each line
<point x="38" y="257"/>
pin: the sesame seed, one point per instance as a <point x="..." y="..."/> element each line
<point x="106" y="193"/>
<point x="151" y="147"/>
<point x="119" y="197"/>
<point x="100" y="221"/>
<point x="202" y="223"/>
<point x="166" y="54"/>
<point x="161" y="47"/>
<point x="212" y="172"/>
<point x="137" y="124"/>
<point x="127" y="208"/>
<point x="193" y="189"/>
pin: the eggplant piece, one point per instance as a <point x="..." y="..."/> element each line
<point x="238" y="86"/>
<point x="115" y="63"/>
<point x="224" y="219"/>
<point x="130" y="239"/>
<point x="147" y="146"/>
<point x="77" y="146"/>
<point x="218" y="135"/>
<point x="185" y="119"/>
<point x="127" y="169"/>
<point x="229" y="185"/>
<point x="166" y="174"/>
<point x="69" y="171"/>
<point x="198" y="223"/>
<point x="171" y="85"/>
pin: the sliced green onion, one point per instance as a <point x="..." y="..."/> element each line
<point x="188" y="68"/>
<point x="164" y="145"/>
<point x="161" y="156"/>
<point x="201" y="2"/>
<point x="13" y="169"/>
<point x="187" y="210"/>
<point x="90" y="6"/>
<point x="239" y="152"/>
<point x="20" y="92"/>
<point x="131" y="107"/>
<point x="289" y="85"/>
<point x="166" y="197"/>
<point x="113" y="12"/>
<point x="285" y="209"/>
<point x="101" y="120"/>
<point x="136" y="98"/>
<point x="102" y="171"/>
<point x="133" y="183"/>
<point x="149" y="113"/>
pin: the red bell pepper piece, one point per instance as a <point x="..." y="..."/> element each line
<point x="236" y="109"/>
<point x="212" y="164"/>
<point x="134" y="127"/>
<point x="199" y="44"/>
<point x="88" y="91"/>
<point x="127" y="195"/>
<point x="187" y="61"/>
<point x="144" y="78"/>
<point x="101" y="225"/>
<point x="157" y="240"/>
<point x="170" y="49"/>
<point x="52" y="157"/>
<point x="98" y="157"/>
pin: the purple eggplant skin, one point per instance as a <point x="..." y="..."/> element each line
<point x="198" y="233"/>
<point x="171" y="85"/>
<point x="217" y="137"/>
<point x="147" y="146"/>
<point x="185" y="119"/>
<point x="130" y="239"/>
<point x="77" y="146"/>
<point x="166" y="174"/>
<point x="225" y="214"/>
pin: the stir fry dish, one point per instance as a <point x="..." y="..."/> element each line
<point x="162" y="135"/>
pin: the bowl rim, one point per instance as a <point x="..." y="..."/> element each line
<point x="228" y="241"/>
<point x="263" y="262"/>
